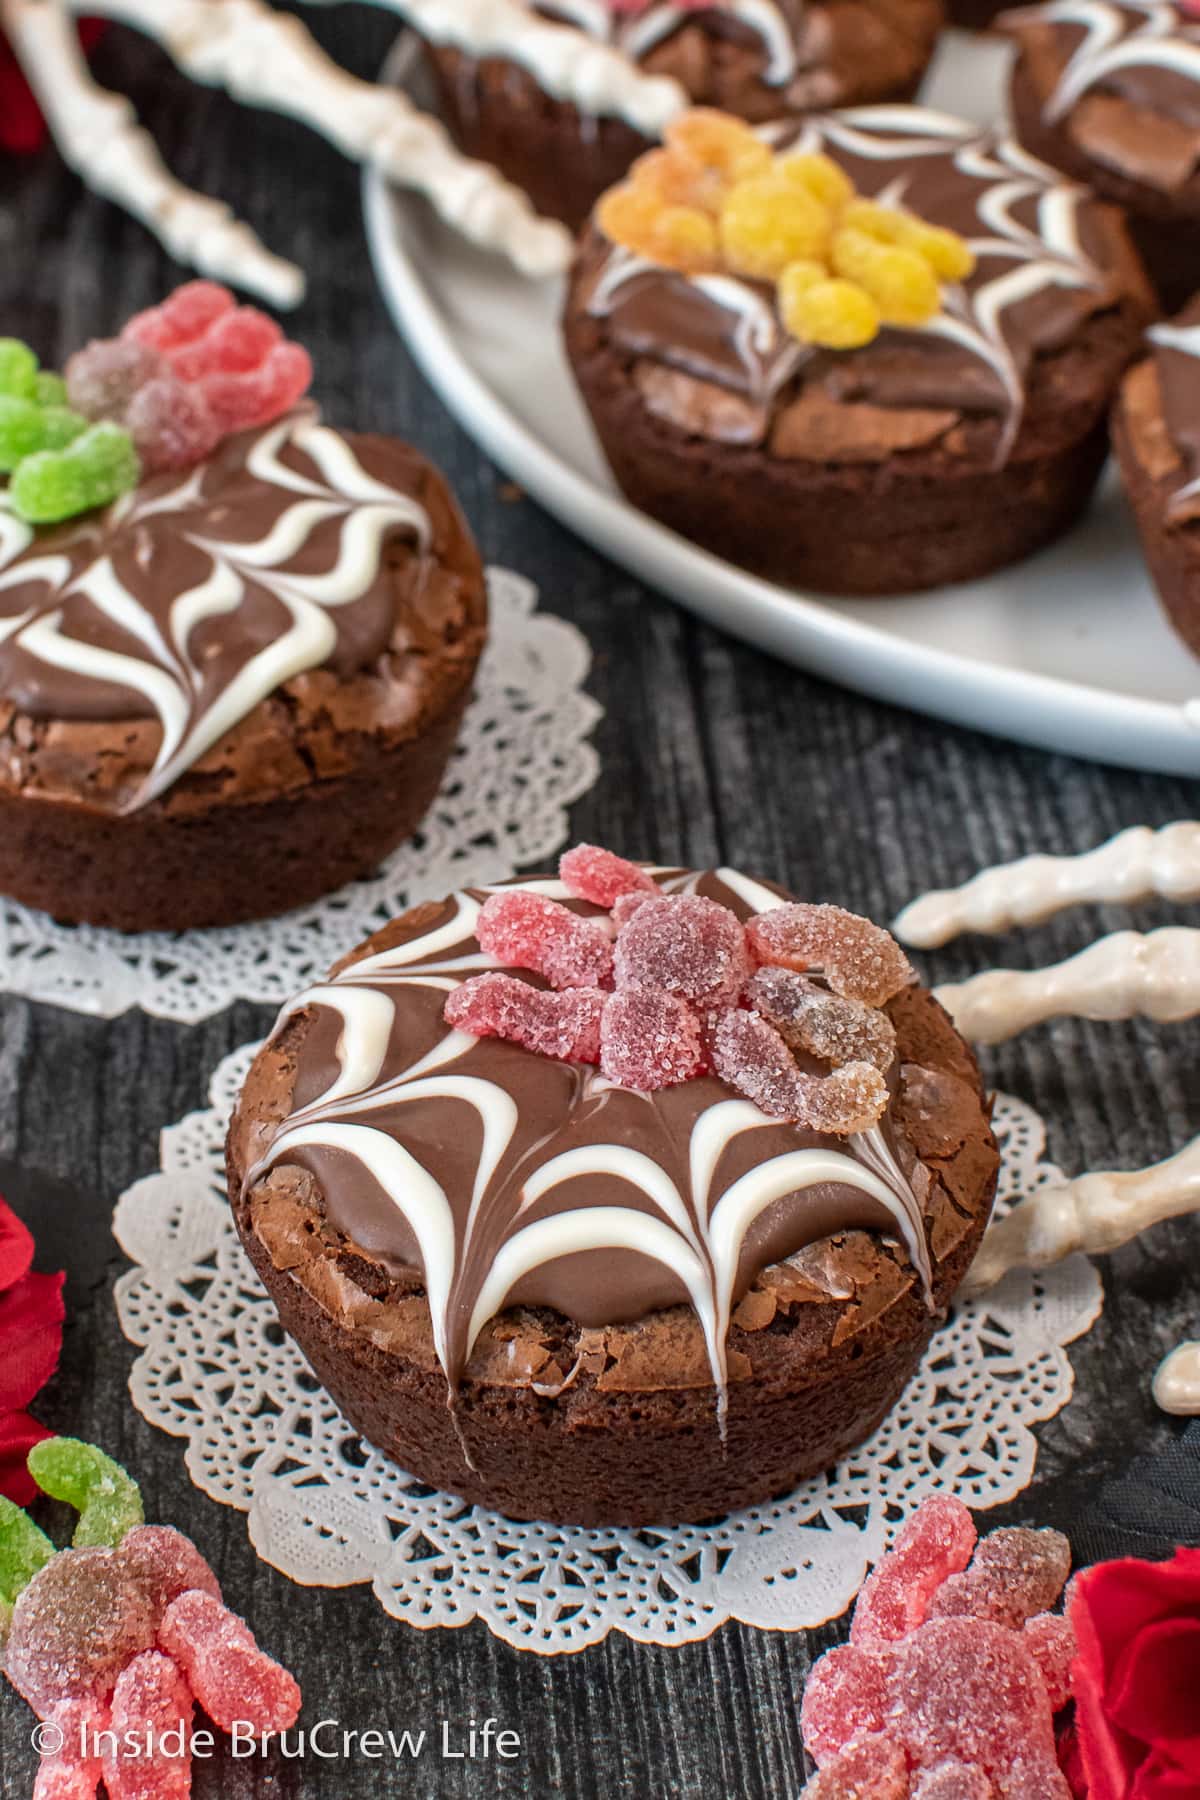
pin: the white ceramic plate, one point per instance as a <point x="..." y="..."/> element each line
<point x="1067" y="651"/>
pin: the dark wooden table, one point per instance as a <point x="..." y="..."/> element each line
<point x="710" y="752"/>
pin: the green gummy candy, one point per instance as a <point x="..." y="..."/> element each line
<point x="59" y="484"/>
<point x="108" y="1500"/>
<point x="26" y="428"/>
<point x="49" y="389"/>
<point x="18" y="369"/>
<point x="23" y="1549"/>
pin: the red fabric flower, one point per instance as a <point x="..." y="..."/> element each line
<point x="1137" y="1678"/>
<point x="31" y="1321"/>
<point x="21" y="125"/>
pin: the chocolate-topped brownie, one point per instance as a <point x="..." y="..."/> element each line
<point x="1109" y="92"/>
<point x="237" y="685"/>
<point x="1156" y="433"/>
<point x="760" y="59"/>
<point x="880" y="362"/>
<point x="586" y="1210"/>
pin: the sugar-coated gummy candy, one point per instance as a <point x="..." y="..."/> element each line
<point x="845" y="1698"/>
<point x="563" y="1025"/>
<point x="937" y="1542"/>
<point x="237" y="340"/>
<point x="49" y="389"/>
<point x="229" y="1675"/>
<point x="184" y="315"/>
<point x="602" y="877"/>
<point x="72" y="1772"/>
<point x="899" y="280"/>
<point x="18" y="369"/>
<point x="769" y="222"/>
<point x="1013" y="1574"/>
<point x="74" y="1627"/>
<point x="966" y="1688"/>
<point x="240" y="398"/>
<point x="26" y="428"/>
<point x="829" y="312"/>
<point x="718" y="141"/>
<point x="103" y="377"/>
<point x="687" y="944"/>
<point x="749" y="1055"/>
<point x="649" y="1039"/>
<point x="106" y="1497"/>
<point x="953" y="1780"/>
<point x="95" y="469"/>
<point x="529" y="931"/>
<point x="171" y="424"/>
<point x="819" y="174"/>
<point x="872" y="1769"/>
<point x="836" y="1031"/>
<point x="1050" y="1640"/>
<point x="625" y="905"/>
<point x="859" y="960"/>
<point x="166" y="1564"/>
<point x="151" y="1712"/>
<point x="24" y="1549"/>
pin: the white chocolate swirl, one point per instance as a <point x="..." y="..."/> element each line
<point x="1146" y="34"/>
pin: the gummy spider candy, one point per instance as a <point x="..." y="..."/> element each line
<point x="955" y="1668"/>
<point x="672" y="985"/>
<point x="115" y="1639"/>
<point x="57" y="465"/>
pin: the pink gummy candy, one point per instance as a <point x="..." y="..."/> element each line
<point x="966" y="1688"/>
<point x="103" y="377"/>
<point x="689" y="945"/>
<point x="527" y="931"/>
<point x="845" y="1698"/>
<point x="1050" y="1640"/>
<point x="649" y="1039"/>
<point x="1013" y="1575"/>
<point x="183" y="315"/>
<point x="953" y="1780"/>
<point x="601" y="877"/>
<point x="75" y="1627"/>
<point x="860" y="961"/>
<point x="237" y="340"/>
<point x="625" y="905"/>
<point x="166" y="1564"/>
<point x="872" y="1769"/>
<point x="750" y="1056"/>
<point x="171" y="424"/>
<point x="229" y="1675"/>
<point x="937" y="1542"/>
<point x="72" y="1772"/>
<point x="151" y="1719"/>
<point x="563" y="1025"/>
<point x="240" y="398"/>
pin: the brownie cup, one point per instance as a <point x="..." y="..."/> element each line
<point x="568" y="1298"/>
<point x="759" y="59"/>
<point x="1110" y="94"/>
<point x="237" y="687"/>
<point x="1156" y="433"/>
<point x="935" y="452"/>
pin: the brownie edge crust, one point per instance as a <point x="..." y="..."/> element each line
<point x="619" y="1426"/>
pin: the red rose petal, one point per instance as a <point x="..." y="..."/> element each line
<point x="31" y="1316"/>
<point x="1155" y="1690"/>
<point x="18" y="1434"/>
<point x="16" y="1247"/>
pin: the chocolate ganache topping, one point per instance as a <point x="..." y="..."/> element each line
<point x="194" y="597"/>
<point x="1040" y="248"/>
<point x="1176" y="350"/>
<point x="501" y="1177"/>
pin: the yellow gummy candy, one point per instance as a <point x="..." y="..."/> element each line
<point x="834" y="314"/>
<point x="685" y="238"/>
<point x="626" y="215"/>
<point x="767" y="223"/>
<point x="948" y="255"/>
<point x="819" y="175"/>
<point x="901" y="283"/>
<point x="716" y="140"/>
<point x="675" y="180"/>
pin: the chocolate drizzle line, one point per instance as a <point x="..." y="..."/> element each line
<point x="1038" y="248"/>
<point x="198" y="595"/>
<point x="1146" y="51"/>
<point x="1176" y="350"/>
<point x="778" y="24"/>
<point x="504" y="1178"/>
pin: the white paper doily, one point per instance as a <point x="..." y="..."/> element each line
<point x="521" y="759"/>
<point x="216" y="1368"/>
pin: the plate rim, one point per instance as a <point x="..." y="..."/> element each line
<point x="1153" y="735"/>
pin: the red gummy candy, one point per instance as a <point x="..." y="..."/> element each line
<point x="74" y="1627"/>
<point x="965" y="1688"/>
<point x="565" y="1025"/>
<point x="166" y="1564"/>
<point x="527" y="931"/>
<point x="241" y="398"/>
<point x="860" y="961"/>
<point x="601" y="877"/>
<point x="845" y="1698"/>
<point x="936" y="1543"/>
<point x="625" y="905"/>
<point x="230" y="1676"/>
<point x="649" y="1039"/>
<point x="689" y="945"/>
<point x="71" y="1772"/>
<point x="1050" y="1640"/>
<point x="1013" y="1575"/>
<point x="953" y="1780"/>
<point x="183" y="315"/>
<point x="171" y="425"/>
<point x="873" y="1769"/>
<point x="151" y="1719"/>
<point x="236" y="341"/>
